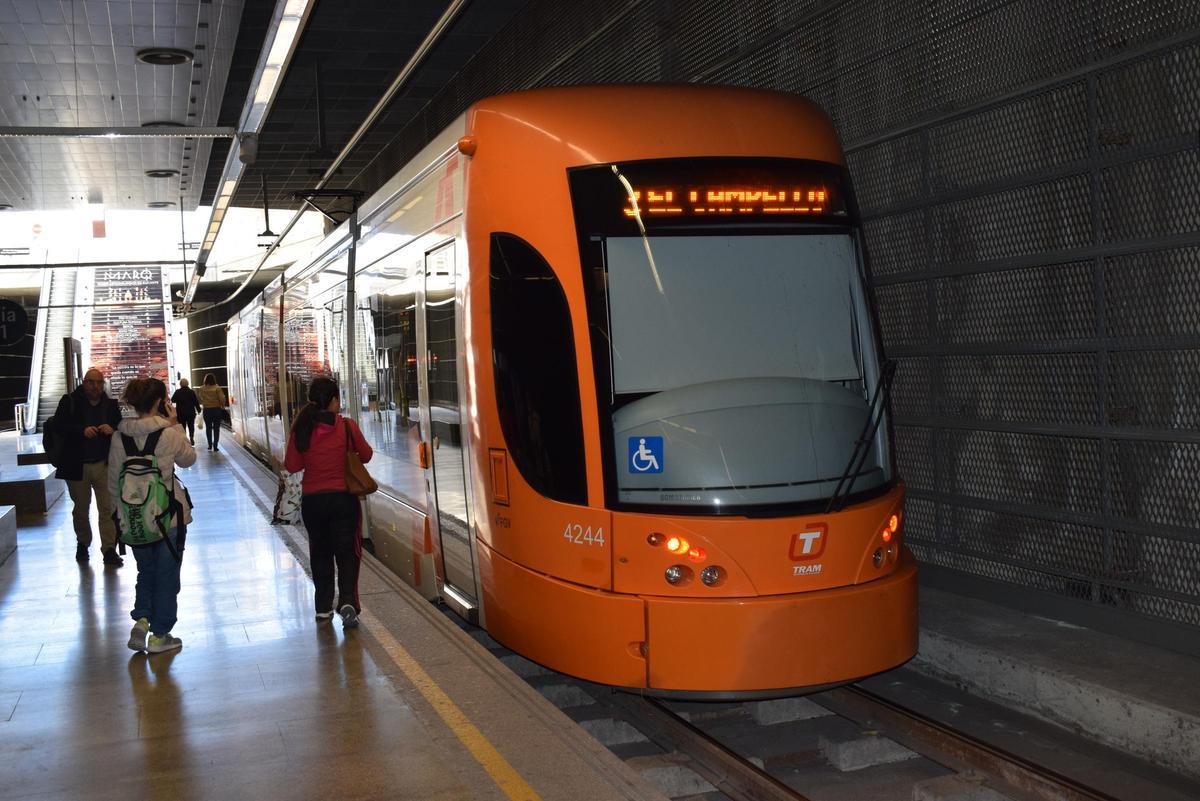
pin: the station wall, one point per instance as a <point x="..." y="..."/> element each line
<point x="1027" y="173"/>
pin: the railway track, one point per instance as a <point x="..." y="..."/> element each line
<point x="739" y="751"/>
<point x="951" y="747"/>
<point x="738" y="778"/>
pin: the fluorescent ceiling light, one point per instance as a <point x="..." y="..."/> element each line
<point x="111" y="132"/>
<point x="265" y="91"/>
<point x="285" y="37"/>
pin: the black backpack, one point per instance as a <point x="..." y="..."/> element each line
<point x="53" y="442"/>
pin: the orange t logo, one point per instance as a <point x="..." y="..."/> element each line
<point x="807" y="545"/>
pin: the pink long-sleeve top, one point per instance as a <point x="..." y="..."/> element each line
<point x="324" y="463"/>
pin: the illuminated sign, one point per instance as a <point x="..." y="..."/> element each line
<point x="129" y="325"/>
<point x="698" y="201"/>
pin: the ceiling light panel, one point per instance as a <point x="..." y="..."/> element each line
<point x="47" y="44"/>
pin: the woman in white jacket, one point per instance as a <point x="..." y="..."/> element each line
<point x="156" y="600"/>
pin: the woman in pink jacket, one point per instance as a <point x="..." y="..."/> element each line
<point x="318" y="443"/>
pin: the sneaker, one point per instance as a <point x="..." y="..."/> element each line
<point x="138" y="635"/>
<point x="158" y="645"/>
<point x="325" y="615"/>
<point x="81" y="553"/>
<point x="349" y="616"/>
<point x="111" y="558"/>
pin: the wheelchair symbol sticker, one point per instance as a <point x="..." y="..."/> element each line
<point x="645" y="454"/>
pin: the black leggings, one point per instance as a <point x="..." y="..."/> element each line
<point x="212" y="425"/>
<point x="189" y="425"/>
<point x="334" y="539"/>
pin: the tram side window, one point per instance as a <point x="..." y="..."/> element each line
<point x="537" y="385"/>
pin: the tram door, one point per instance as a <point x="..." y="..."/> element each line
<point x="446" y="441"/>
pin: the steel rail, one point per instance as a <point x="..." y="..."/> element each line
<point x="943" y="743"/>
<point x="725" y="770"/>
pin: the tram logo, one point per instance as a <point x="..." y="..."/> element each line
<point x="808" y="545"/>
<point x="645" y="454"/>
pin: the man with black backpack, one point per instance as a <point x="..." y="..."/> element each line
<point x="85" y="421"/>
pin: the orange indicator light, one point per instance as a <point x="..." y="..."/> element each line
<point x="893" y="523"/>
<point x="678" y="545"/>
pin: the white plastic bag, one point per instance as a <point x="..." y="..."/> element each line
<point x="287" y="500"/>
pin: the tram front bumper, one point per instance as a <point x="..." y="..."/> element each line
<point x="786" y="642"/>
<point x="772" y="645"/>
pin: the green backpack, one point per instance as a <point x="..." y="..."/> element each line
<point x="144" y="501"/>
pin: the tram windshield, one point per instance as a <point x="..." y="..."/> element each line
<point x="689" y="310"/>
<point x="735" y="353"/>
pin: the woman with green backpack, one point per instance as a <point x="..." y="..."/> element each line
<point x="152" y="508"/>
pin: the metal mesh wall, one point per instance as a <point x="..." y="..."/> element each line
<point x="1030" y="180"/>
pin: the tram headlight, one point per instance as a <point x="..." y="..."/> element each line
<point x="877" y="558"/>
<point x="711" y="576"/>
<point x="678" y="574"/>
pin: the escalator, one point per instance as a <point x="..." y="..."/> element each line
<point x="49" y="363"/>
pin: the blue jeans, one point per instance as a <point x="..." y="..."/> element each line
<point x="156" y="595"/>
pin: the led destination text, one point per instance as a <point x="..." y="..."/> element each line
<point x="706" y="200"/>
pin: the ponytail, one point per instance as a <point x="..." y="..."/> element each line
<point x="321" y="393"/>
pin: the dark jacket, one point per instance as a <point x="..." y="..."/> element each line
<point x="185" y="401"/>
<point x="70" y="426"/>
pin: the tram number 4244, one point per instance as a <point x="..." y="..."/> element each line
<point x="578" y="535"/>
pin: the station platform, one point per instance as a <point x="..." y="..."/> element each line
<point x="1138" y="704"/>
<point x="262" y="702"/>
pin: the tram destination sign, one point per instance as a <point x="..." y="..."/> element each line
<point x="659" y="194"/>
<point x="725" y="200"/>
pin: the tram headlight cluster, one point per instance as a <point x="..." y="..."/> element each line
<point x="680" y="574"/>
<point x="890" y="534"/>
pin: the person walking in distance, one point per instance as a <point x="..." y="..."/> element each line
<point x="212" y="398"/>
<point x="155" y="434"/>
<point x="86" y="420"/>
<point x="186" y="405"/>
<point x="317" y="445"/>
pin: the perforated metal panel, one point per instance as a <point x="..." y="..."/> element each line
<point x="1056" y="174"/>
<point x="1030" y="181"/>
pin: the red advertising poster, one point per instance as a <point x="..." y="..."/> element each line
<point x="129" y="340"/>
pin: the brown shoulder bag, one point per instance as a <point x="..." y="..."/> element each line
<point x="358" y="480"/>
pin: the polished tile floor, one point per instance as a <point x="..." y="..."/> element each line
<point x="261" y="703"/>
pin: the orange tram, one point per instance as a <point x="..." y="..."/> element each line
<point x="616" y="352"/>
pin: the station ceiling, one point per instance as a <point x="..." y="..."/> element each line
<point x="67" y="63"/>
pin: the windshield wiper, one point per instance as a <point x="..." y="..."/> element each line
<point x="862" y="446"/>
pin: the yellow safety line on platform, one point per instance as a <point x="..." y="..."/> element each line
<point x="503" y="773"/>
<point x="491" y="760"/>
